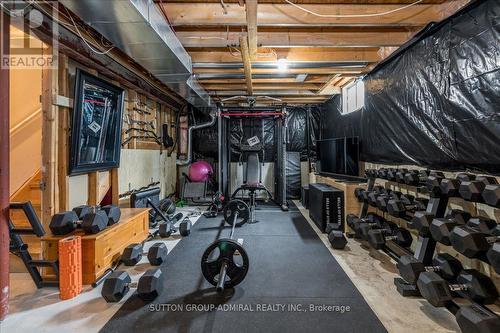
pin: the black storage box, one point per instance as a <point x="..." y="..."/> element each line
<point x="326" y="205"/>
<point x="304" y="198"/>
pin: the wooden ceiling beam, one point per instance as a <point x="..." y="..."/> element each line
<point x="318" y="71"/>
<point x="283" y="14"/>
<point x="194" y="39"/>
<point x="262" y="86"/>
<point x="327" y="84"/>
<point x="292" y="54"/>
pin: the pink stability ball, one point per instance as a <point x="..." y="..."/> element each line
<point x="200" y="171"/>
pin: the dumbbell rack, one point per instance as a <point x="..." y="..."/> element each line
<point x="425" y="246"/>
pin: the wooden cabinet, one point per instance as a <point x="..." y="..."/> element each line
<point x="101" y="250"/>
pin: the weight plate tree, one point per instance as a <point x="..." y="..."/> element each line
<point x="225" y="262"/>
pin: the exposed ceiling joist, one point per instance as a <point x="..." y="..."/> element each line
<point x="193" y="39"/>
<point x="284" y="14"/>
<point x="292" y="54"/>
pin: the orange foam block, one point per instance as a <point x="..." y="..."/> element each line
<point x="70" y="267"/>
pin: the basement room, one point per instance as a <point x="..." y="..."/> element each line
<point x="250" y="166"/>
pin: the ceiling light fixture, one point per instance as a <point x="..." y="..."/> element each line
<point x="282" y="64"/>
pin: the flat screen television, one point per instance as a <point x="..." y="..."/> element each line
<point x="338" y="156"/>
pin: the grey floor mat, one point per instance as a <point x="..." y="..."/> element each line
<point x="291" y="271"/>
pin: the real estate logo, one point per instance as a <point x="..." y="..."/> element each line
<point x="27" y="19"/>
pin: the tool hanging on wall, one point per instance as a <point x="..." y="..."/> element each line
<point x="130" y="129"/>
<point x="131" y="121"/>
<point x="142" y="137"/>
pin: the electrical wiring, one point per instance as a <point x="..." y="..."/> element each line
<point x="353" y="15"/>
<point x="85" y="41"/>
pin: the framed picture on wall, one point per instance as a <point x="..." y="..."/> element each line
<point x="96" y="125"/>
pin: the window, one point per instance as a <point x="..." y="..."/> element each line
<point x="353" y="97"/>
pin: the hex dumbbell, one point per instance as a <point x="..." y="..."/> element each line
<point x="447" y="266"/>
<point x="471" y="283"/>
<point x="491" y="195"/>
<point x="132" y="254"/>
<point x="433" y="182"/>
<point x="472" y="190"/>
<point x="440" y="228"/>
<point x="118" y="284"/>
<point x="378" y="237"/>
<point x="450" y="187"/>
<point x="89" y="219"/>
<point x="415" y="178"/>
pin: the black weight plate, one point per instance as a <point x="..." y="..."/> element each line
<point x="235" y="273"/>
<point x="236" y="206"/>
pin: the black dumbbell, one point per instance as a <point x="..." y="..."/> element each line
<point x="415" y="177"/>
<point x="433" y="182"/>
<point x="473" y="243"/>
<point x="378" y="237"/>
<point x="491" y="195"/>
<point x="358" y="193"/>
<point x="400" y="208"/>
<point x="118" y="284"/>
<point x="450" y="187"/>
<point x="370" y="173"/>
<point x="113" y="212"/>
<point x="383" y="225"/>
<point x="440" y="228"/>
<point x="89" y="220"/>
<point x="447" y="266"/>
<point x="371" y="220"/>
<point x="493" y="256"/>
<point x="383" y="199"/>
<point x="166" y="229"/>
<point x="382" y="173"/>
<point x="472" y="190"/>
<point x="337" y="239"/>
<point x="400" y="176"/>
<point x="471" y="284"/>
<point x="157" y="254"/>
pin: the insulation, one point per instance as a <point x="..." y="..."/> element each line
<point x="436" y="103"/>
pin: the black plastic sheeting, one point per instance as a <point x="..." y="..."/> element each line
<point x="300" y="120"/>
<point x="301" y="134"/>
<point x="437" y="103"/>
<point x="293" y="176"/>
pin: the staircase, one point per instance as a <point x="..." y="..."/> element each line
<point x="29" y="191"/>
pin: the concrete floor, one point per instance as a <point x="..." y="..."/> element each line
<point x="40" y="310"/>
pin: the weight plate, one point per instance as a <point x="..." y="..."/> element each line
<point x="227" y="250"/>
<point x="236" y="206"/>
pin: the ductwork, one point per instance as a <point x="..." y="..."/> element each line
<point x="138" y="28"/>
<point x="190" y="138"/>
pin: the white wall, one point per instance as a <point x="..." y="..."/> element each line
<point x="137" y="168"/>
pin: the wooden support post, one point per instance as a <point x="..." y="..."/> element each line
<point x="93" y="188"/>
<point x="251" y="13"/>
<point x="4" y="169"/>
<point x="115" y="194"/>
<point x="247" y="66"/>
<point x="49" y="140"/>
<point x="63" y="133"/>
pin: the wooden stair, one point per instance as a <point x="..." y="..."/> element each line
<point x="29" y="191"/>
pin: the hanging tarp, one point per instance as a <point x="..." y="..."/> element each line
<point x="437" y="103"/>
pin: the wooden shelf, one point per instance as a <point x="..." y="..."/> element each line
<point x="100" y="251"/>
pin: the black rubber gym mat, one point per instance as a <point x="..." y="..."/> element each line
<point x="293" y="285"/>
